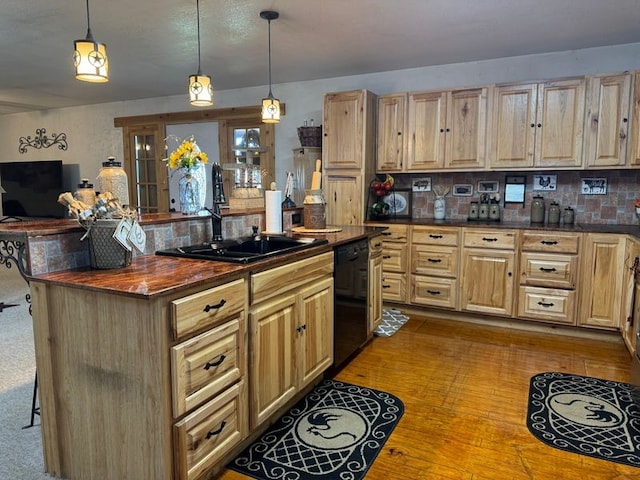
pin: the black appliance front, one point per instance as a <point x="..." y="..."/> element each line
<point x="351" y="279"/>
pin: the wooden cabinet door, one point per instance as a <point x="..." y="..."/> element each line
<point x="607" y="120"/>
<point x="273" y="337"/>
<point x="375" y="292"/>
<point x="601" y="278"/>
<point x="344" y="126"/>
<point x="634" y="157"/>
<point x="314" y="331"/>
<point x="559" y="124"/>
<point x="390" y="142"/>
<point x="426" y="131"/>
<point x="466" y="129"/>
<point x="514" y="126"/>
<point x="629" y="313"/>
<point x="488" y="281"/>
<point x="345" y="204"/>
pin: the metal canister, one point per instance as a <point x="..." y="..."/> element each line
<point x="494" y="210"/>
<point x="85" y="193"/>
<point x="473" y="211"/>
<point x="483" y="211"/>
<point x="537" y="209"/>
<point x="112" y="178"/>
<point x="568" y="216"/>
<point x="554" y="214"/>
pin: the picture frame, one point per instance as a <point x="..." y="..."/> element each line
<point x="488" y="186"/>
<point x="545" y="182"/>
<point x="421" y="184"/>
<point x="462" y="190"/>
<point x="399" y="202"/>
<point x="593" y="186"/>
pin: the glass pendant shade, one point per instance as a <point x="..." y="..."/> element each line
<point x="270" y="110"/>
<point x="200" y="90"/>
<point x="90" y="60"/>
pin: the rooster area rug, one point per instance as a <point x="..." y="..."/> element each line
<point x="336" y="431"/>
<point x="585" y="415"/>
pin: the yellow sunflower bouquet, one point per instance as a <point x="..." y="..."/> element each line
<point x="187" y="155"/>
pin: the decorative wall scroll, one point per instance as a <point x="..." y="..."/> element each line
<point x="42" y="140"/>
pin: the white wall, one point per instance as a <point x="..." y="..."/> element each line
<point x="92" y="136"/>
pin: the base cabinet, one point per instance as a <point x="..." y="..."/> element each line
<point x="374" y="284"/>
<point x="291" y="332"/>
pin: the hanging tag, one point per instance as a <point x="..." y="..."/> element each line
<point x="122" y="233"/>
<point x="137" y="237"/>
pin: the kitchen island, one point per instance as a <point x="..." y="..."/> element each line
<point x="166" y="368"/>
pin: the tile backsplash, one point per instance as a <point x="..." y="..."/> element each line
<point x="614" y="207"/>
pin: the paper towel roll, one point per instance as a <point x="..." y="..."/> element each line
<point x="273" y="211"/>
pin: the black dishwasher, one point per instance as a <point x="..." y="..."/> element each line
<point x="351" y="279"/>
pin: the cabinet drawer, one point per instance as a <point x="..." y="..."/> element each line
<point x="394" y="287"/>
<point x="206" y="364"/>
<point x="548" y="270"/>
<point x="433" y="291"/>
<point x="501" y="239"/>
<point x="435" y="235"/>
<point x="547" y="304"/>
<point x="203" y="309"/>
<point x="277" y="280"/>
<point x="375" y="246"/>
<point x="553" y="242"/>
<point x="394" y="257"/>
<point x="395" y="233"/>
<point x="206" y="435"/>
<point x="434" y="260"/>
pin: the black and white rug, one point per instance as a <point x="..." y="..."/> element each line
<point x="392" y="320"/>
<point x="585" y="415"/>
<point x="336" y="431"/>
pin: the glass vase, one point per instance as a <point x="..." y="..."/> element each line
<point x="189" y="190"/>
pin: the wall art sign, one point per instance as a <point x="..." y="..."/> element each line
<point x="421" y="185"/>
<point x="486" y="186"/>
<point x="42" y="140"/>
<point x="545" y="182"/>
<point x="462" y="190"/>
<point x="593" y="186"/>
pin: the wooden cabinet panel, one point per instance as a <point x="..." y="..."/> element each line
<point x="601" y="290"/>
<point x="488" y="281"/>
<point x="550" y="242"/>
<point x="206" y="364"/>
<point x="343" y="123"/>
<point x="394" y="233"/>
<point x="435" y="235"/>
<point x="548" y="270"/>
<point x="434" y="260"/>
<point x="375" y="292"/>
<point x="426" y="127"/>
<point x="494" y="239"/>
<point x="394" y="287"/>
<point x="391" y="126"/>
<point x="547" y="304"/>
<point x="434" y="291"/>
<point x="634" y="157"/>
<point x="466" y="131"/>
<point x="204" y="436"/>
<point x="204" y="309"/>
<point x="607" y="120"/>
<point x="394" y="257"/>
<point x="345" y="204"/>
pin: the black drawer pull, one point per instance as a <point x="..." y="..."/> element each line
<point x="211" y="433"/>
<point x="386" y="286"/>
<point x="547" y="270"/>
<point x="543" y="304"/>
<point x="431" y="235"/>
<point x="386" y="234"/>
<point x="489" y="239"/>
<point x="548" y="242"/>
<point x="208" y="365"/>
<point x="216" y="306"/>
<point x="301" y="328"/>
<point x="386" y="257"/>
<point x="433" y="292"/>
<point x="377" y="245"/>
<point x="434" y="260"/>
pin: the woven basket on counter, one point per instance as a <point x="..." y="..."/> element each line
<point x="105" y="251"/>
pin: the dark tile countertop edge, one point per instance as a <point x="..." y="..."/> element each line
<point x="151" y="275"/>
<point x="633" y="230"/>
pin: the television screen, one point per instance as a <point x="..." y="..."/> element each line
<point x="32" y="189"/>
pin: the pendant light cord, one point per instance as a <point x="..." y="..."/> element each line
<point x="270" y="94"/>
<point x="89" y="34"/>
<point x="198" y="15"/>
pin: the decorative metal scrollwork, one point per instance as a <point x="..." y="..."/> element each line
<point x="42" y="140"/>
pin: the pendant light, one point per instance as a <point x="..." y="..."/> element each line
<point x="90" y="57"/>
<point x="200" y="88"/>
<point x="270" y="105"/>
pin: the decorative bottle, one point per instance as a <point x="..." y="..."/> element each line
<point x="439" y="207"/>
<point x="537" y="209"/>
<point x="112" y="178"/>
<point x="554" y="214"/>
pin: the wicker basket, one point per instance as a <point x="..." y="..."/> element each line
<point x="104" y="251"/>
<point x="310" y="136"/>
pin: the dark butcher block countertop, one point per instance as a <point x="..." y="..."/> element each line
<point x="151" y="275"/>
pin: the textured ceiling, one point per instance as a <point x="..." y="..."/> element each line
<point x="152" y="44"/>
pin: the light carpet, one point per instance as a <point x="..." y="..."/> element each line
<point x="392" y="320"/>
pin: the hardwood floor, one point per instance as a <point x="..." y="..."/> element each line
<point x="465" y="389"/>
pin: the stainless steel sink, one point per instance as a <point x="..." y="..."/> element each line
<point x="243" y="250"/>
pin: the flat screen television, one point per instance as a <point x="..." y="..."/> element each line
<point x="32" y="189"/>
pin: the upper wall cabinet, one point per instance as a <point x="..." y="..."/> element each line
<point x="634" y="157"/>
<point x="606" y="127"/>
<point x="447" y="130"/>
<point x="391" y="132"/>
<point x="538" y="125"/>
